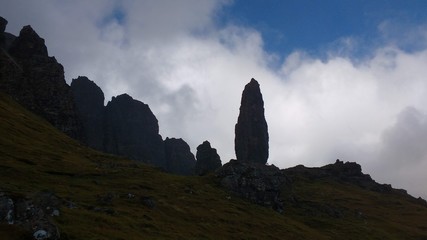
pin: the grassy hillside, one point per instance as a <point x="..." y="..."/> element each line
<point x="114" y="198"/>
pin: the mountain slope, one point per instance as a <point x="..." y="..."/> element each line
<point x="107" y="197"/>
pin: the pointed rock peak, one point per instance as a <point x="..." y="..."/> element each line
<point x="122" y="98"/>
<point x="208" y="159"/>
<point x="205" y="144"/>
<point x="253" y="82"/>
<point x="3" y="23"/>
<point x="87" y="94"/>
<point x="251" y="140"/>
<point x="28" y="44"/>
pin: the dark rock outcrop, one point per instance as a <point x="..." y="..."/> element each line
<point x="132" y="130"/>
<point x="251" y="140"/>
<point x="348" y="172"/>
<point x="258" y="183"/>
<point x="37" y="82"/>
<point x="179" y="158"/>
<point x="6" y="38"/>
<point x="89" y="100"/>
<point x="127" y="127"/>
<point x="32" y="214"/>
<point x="3" y="23"/>
<point x="208" y="159"/>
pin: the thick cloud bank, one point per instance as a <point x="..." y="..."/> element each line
<point x="173" y="56"/>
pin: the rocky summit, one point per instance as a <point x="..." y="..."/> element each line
<point x="179" y="158"/>
<point x="89" y="100"/>
<point x="251" y="139"/>
<point x="37" y="81"/>
<point x="132" y="130"/>
<point x="208" y="159"/>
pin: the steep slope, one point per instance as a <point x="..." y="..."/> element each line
<point x="105" y="197"/>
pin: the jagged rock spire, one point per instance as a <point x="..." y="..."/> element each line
<point x="208" y="159"/>
<point x="251" y="140"/>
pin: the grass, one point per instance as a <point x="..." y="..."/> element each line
<point x="36" y="157"/>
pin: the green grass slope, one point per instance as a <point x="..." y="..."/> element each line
<point x="36" y="157"/>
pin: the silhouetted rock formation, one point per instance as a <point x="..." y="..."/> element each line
<point x="3" y="23"/>
<point x="349" y="172"/>
<point x="37" y="81"/>
<point x="89" y="100"/>
<point x="125" y="127"/>
<point x="208" y="159"/>
<point x="258" y="183"/>
<point x="251" y="140"/>
<point x="132" y="130"/>
<point x="179" y="158"/>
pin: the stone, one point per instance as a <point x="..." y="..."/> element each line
<point x="7" y="209"/>
<point x="41" y="234"/>
<point x="251" y="131"/>
<point x="258" y="183"/>
<point x="132" y="130"/>
<point x="148" y="202"/>
<point x="89" y="100"/>
<point x="32" y="214"/>
<point x="179" y="158"/>
<point x="208" y="159"/>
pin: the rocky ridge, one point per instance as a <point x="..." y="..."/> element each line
<point x="124" y="127"/>
<point x="37" y="81"/>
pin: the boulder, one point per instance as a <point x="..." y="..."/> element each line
<point x="208" y="159"/>
<point x="33" y="214"/>
<point x="251" y="139"/>
<point x="179" y="158"/>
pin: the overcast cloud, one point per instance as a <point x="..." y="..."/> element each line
<point x="173" y="56"/>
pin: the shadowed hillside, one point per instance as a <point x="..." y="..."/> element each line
<point x="99" y="196"/>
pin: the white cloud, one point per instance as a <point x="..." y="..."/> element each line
<point x="172" y="56"/>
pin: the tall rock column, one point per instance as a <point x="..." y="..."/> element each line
<point x="251" y="140"/>
<point x="89" y="100"/>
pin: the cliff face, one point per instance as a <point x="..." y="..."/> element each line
<point x="251" y="140"/>
<point x="179" y="158"/>
<point x="132" y="130"/>
<point x="124" y="127"/>
<point x="89" y="100"/>
<point x="208" y="159"/>
<point x="127" y="127"/>
<point x="37" y="81"/>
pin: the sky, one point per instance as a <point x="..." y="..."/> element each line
<point x="341" y="79"/>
